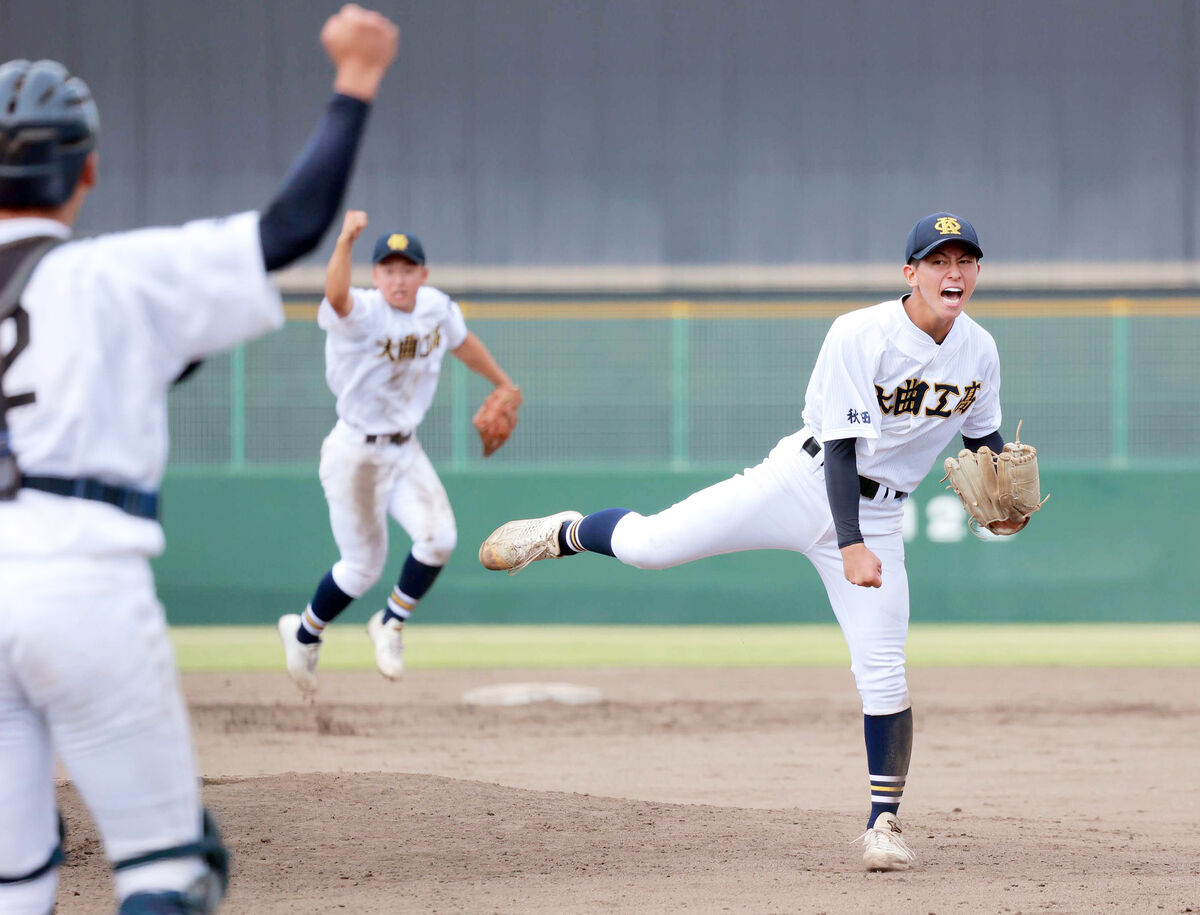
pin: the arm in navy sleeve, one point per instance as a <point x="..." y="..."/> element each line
<point x="841" y="485"/>
<point x="295" y="220"/>
<point x="995" y="441"/>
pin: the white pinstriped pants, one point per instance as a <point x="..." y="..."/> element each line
<point x="363" y="484"/>
<point x="781" y="505"/>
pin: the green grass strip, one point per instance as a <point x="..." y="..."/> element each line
<point x="249" y="648"/>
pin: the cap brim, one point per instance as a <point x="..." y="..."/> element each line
<point x="401" y="255"/>
<point x="953" y="239"/>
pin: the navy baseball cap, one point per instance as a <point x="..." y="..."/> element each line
<point x="936" y="230"/>
<point x="398" y="244"/>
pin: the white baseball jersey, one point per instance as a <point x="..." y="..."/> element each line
<point x="382" y="363"/>
<point x="881" y="379"/>
<point x="113" y="321"/>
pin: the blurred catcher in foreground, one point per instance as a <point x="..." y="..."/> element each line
<point x="94" y="332"/>
<point x="383" y="358"/>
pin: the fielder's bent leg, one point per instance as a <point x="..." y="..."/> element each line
<point x="357" y="481"/>
<point x="420" y="505"/>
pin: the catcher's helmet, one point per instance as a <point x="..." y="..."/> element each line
<point x="48" y="125"/>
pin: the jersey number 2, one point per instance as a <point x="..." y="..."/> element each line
<point x="21" y="317"/>
<point x="10" y="474"/>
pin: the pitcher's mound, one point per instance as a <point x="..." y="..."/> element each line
<point x="526" y="693"/>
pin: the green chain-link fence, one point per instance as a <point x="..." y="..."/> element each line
<point x="1105" y="382"/>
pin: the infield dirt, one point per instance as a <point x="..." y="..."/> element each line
<point x="727" y="790"/>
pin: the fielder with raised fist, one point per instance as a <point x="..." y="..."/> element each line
<point x="383" y="356"/>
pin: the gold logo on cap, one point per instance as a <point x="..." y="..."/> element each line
<point x="399" y="242"/>
<point x="946" y="225"/>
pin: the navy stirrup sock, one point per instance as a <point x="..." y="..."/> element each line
<point x="415" y="579"/>
<point x="591" y="534"/>
<point x="889" y="746"/>
<point x="327" y="602"/>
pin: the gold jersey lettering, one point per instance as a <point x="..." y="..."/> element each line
<point x="968" y="397"/>
<point x="407" y="348"/>
<point x="943" y="391"/>
<point x="410" y="347"/>
<point x="909" y="396"/>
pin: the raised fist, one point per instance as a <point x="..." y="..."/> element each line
<point x="362" y="44"/>
<point x="353" y="224"/>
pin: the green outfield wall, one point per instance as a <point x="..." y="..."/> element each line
<point x="1111" y="545"/>
<point x="641" y="402"/>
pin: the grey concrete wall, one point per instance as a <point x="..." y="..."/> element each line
<point x="666" y="131"/>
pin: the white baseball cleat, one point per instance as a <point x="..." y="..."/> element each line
<point x="514" y="545"/>
<point x="389" y="644"/>
<point x="884" y="848"/>
<point x="301" y="658"/>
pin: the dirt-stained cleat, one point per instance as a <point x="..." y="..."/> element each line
<point x="389" y="644"/>
<point x="301" y="658"/>
<point x="884" y="848"/>
<point x="514" y="545"/>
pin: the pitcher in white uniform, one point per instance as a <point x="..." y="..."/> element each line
<point x="893" y="384"/>
<point x="383" y="356"/>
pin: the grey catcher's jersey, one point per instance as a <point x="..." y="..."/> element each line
<point x="113" y="321"/>
<point x="382" y="363"/>
<point x="881" y="379"/>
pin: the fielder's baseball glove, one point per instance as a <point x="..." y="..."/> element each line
<point x="497" y="417"/>
<point x="999" y="491"/>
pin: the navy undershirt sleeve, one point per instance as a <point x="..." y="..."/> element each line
<point x="293" y="223"/>
<point x="841" y="485"/>
<point x="995" y="441"/>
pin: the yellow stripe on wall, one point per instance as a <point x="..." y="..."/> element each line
<point x="769" y="309"/>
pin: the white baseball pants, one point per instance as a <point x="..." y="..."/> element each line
<point x="364" y="483"/>
<point x="87" y="672"/>
<point x="781" y="505"/>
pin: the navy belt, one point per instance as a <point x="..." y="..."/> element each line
<point x="131" y="501"/>
<point x="867" y="488"/>
<point x="395" y="438"/>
